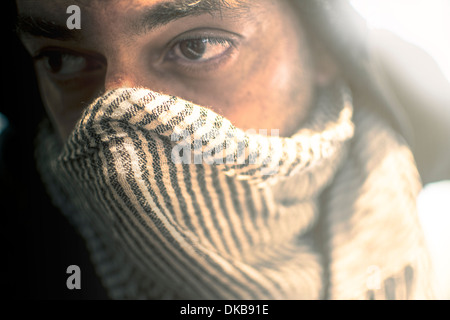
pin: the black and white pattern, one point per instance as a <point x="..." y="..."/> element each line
<point x="240" y="223"/>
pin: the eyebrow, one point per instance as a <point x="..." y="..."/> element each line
<point x="166" y="12"/>
<point x="152" y="18"/>
<point x="40" y="27"/>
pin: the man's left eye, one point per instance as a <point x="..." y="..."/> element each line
<point x="200" y="50"/>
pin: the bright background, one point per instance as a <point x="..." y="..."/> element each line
<point x="425" y="23"/>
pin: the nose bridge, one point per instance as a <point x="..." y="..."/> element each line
<point x="114" y="80"/>
<point x="120" y="74"/>
<point x="122" y="67"/>
<point x="126" y="68"/>
<point x="112" y="41"/>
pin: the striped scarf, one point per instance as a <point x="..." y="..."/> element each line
<point x="175" y="202"/>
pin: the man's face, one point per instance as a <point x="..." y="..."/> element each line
<point x="247" y="60"/>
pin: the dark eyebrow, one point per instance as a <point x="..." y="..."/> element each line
<point x="152" y="18"/>
<point x="166" y="12"/>
<point x="39" y="27"/>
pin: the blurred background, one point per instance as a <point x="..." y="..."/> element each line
<point x="425" y="24"/>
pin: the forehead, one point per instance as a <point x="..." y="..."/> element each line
<point x="111" y="13"/>
<point x="48" y="6"/>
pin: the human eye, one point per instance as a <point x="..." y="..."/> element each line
<point x="64" y="64"/>
<point x="202" y="51"/>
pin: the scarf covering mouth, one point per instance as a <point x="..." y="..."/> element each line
<point x="175" y="202"/>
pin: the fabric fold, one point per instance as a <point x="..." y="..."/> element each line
<point x="176" y="202"/>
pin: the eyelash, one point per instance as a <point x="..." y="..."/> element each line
<point x="91" y="63"/>
<point x="183" y="64"/>
<point x="194" y="66"/>
<point x="210" y="40"/>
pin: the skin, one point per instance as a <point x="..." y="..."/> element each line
<point x="262" y="77"/>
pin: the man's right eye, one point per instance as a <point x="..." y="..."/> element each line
<point x="67" y="64"/>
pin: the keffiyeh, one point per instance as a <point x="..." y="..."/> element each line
<point x="175" y="202"/>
